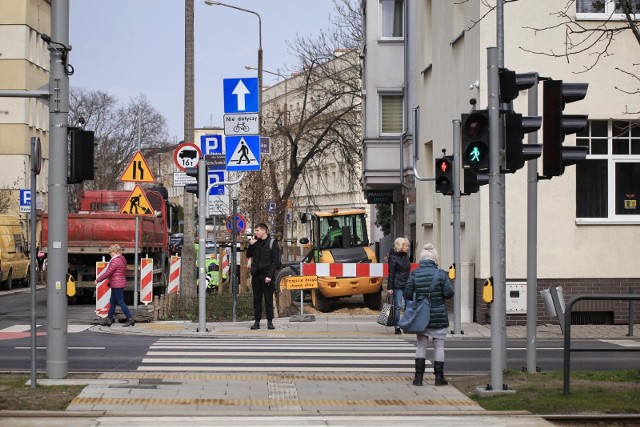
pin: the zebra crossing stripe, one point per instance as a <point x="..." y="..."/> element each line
<point x="27" y="328"/>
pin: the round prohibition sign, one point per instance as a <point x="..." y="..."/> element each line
<point x="241" y="223"/>
<point x="187" y="155"/>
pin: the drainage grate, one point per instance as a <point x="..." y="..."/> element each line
<point x="592" y="317"/>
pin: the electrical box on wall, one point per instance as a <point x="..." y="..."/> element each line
<point x="516" y="298"/>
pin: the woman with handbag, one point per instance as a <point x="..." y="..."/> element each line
<point x="428" y="281"/>
<point x="399" y="268"/>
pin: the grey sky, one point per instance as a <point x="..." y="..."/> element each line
<point x="127" y="47"/>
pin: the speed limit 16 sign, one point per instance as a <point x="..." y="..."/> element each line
<point x="187" y="155"/>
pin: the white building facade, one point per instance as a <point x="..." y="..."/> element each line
<point x="588" y="219"/>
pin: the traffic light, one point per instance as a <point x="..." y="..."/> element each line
<point x="192" y="188"/>
<point x="80" y="156"/>
<point x="473" y="180"/>
<point x="516" y="153"/>
<point x="556" y="125"/>
<point x="475" y="140"/>
<point x="444" y="175"/>
<point x="511" y="83"/>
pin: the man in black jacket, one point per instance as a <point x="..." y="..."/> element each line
<point x="265" y="260"/>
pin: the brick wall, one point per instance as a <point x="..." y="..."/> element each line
<point x="571" y="288"/>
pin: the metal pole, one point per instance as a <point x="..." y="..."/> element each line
<point x="234" y="250"/>
<point x="457" y="299"/>
<point x="32" y="260"/>
<point x="137" y="239"/>
<point x="532" y="238"/>
<point x="202" y="268"/>
<point x="57" y="361"/>
<point x="497" y="331"/>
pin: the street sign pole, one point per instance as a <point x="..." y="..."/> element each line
<point x="234" y="251"/>
<point x="202" y="216"/>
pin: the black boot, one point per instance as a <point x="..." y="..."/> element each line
<point x="417" y="379"/>
<point x="438" y="370"/>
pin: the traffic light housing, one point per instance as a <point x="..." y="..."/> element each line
<point x="556" y="125"/>
<point x="511" y="83"/>
<point x="475" y="140"/>
<point x="444" y="175"/>
<point x="473" y="180"/>
<point x="81" y="156"/>
<point x="516" y="153"/>
<point x="192" y="188"/>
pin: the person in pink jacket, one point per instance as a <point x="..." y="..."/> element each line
<point x="116" y="273"/>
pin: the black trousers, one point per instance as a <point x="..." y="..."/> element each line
<point x="261" y="291"/>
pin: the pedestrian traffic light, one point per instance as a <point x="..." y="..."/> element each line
<point x="80" y="156"/>
<point x="444" y="175"/>
<point x="192" y="188"/>
<point x="555" y="126"/>
<point x="475" y="140"/>
<point x="516" y="153"/>
<point x="473" y="180"/>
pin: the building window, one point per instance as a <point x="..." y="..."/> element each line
<point x="391" y="114"/>
<point x="391" y="19"/>
<point x="604" y="9"/>
<point x="608" y="182"/>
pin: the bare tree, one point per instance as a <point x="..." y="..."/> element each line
<point x="325" y="124"/>
<point x="115" y="127"/>
<point x="6" y="200"/>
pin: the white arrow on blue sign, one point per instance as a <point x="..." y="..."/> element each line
<point x="240" y="95"/>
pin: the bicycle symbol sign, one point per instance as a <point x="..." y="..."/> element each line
<point x="241" y="124"/>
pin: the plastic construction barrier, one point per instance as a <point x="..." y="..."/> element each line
<point x="103" y="291"/>
<point x="146" y="280"/>
<point x="174" y="275"/>
<point x="348" y="269"/>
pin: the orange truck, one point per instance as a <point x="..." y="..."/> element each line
<point x="98" y="224"/>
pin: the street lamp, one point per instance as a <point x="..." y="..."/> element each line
<point x="286" y="91"/>
<point x="217" y="3"/>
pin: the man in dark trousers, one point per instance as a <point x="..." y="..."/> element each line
<point x="265" y="260"/>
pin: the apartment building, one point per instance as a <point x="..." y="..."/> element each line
<point x="24" y="65"/>
<point x="587" y="219"/>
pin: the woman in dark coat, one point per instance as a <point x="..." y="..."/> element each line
<point x="399" y="267"/>
<point x="420" y="281"/>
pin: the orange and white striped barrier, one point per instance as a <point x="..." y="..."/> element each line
<point x="174" y="275"/>
<point x="103" y="291"/>
<point x="146" y="280"/>
<point x="348" y="269"/>
<point x="225" y="263"/>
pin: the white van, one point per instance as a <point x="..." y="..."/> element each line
<point x="14" y="261"/>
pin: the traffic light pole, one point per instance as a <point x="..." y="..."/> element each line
<point x="532" y="237"/>
<point x="455" y="201"/>
<point x="495" y="207"/>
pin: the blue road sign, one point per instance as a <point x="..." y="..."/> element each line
<point x="211" y="144"/>
<point x="25" y="200"/>
<point x="243" y="153"/>
<point x="214" y="176"/>
<point x="241" y="95"/>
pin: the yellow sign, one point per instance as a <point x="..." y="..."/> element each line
<point x="137" y="171"/>
<point x="137" y="203"/>
<point x="301" y="282"/>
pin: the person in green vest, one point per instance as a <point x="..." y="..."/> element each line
<point x="214" y="273"/>
<point x="333" y="238"/>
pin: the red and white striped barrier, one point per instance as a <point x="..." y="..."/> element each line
<point x="103" y="291"/>
<point x="225" y="263"/>
<point x="174" y="275"/>
<point x="146" y="280"/>
<point x="348" y="269"/>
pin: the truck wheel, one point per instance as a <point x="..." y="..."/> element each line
<point x="320" y="302"/>
<point x="373" y="301"/>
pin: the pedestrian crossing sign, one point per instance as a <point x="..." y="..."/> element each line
<point x="243" y="153"/>
<point x="137" y="203"/>
<point x="137" y="170"/>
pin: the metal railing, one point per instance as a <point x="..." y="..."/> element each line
<point x="567" y="330"/>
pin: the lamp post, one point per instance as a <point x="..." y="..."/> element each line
<point x="217" y="3"/>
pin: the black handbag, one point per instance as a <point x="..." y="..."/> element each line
<point x="386" y="318"/>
